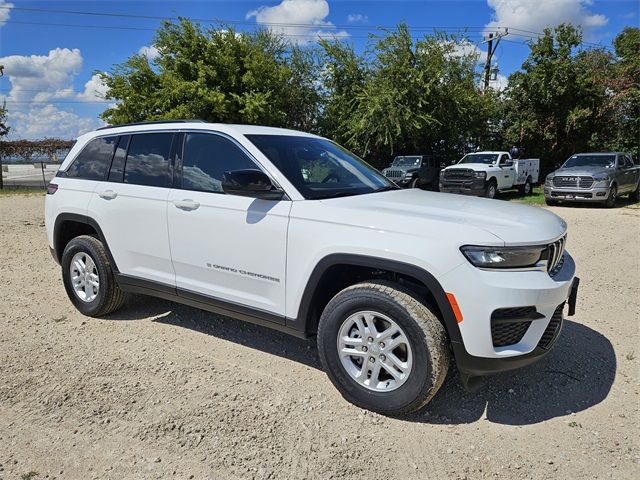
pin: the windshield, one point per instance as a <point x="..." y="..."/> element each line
<point x="604" y="161"/>
<point x="486" y="158"/>
<point x="406" y="162"/>
<point x="319" y="168"/>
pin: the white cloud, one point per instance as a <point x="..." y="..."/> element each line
<point x="5" y="11"/>
<point x="465" y="48"/>
<point x="301" y="21"/>
<point x="357" y="17"/>
<point x="535" y="15"/>
<point x="500" y="83"/>
<point x="151" y="52"/>
<point x="40" y="84"/>
<point x="49" y="121"/>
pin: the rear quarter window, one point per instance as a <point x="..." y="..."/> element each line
<point x="93" y="161"/>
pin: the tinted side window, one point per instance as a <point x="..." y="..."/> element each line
<point x="207" y="157"/>
<point x="117" y="165"/>
<point x="147" y="160"/>
<point x="93" y="161"/>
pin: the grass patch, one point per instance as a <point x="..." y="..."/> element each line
<point x="536" y="198"/>
<point x="12" y="191"/>
<point x="29" y="476"/>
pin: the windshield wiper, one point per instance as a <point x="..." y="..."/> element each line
<point x="335" y="195"/>
<point x="386" y="188"/>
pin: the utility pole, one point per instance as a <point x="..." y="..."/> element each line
<point x="491" y="49"/>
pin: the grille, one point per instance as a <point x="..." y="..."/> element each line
<point x="572" y="182"/>
<point x="553" y="329"/>
<point x="509" y="325"/>
<point x="458" y="174"/>
<point x="394" y="173"/>
<point x="555" y="258"/>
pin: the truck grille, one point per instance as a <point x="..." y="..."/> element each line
<point x="553" y="329"/>
<point x="555" y="256"/>
<point x="458" y="174"/>
<point x="395" y="173"/>
<point x="572" y="182"/>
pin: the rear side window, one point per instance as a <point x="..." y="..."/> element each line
<point x="93" y="161"/>
<point x="117" y="165"/>
<point x="205" y="159"/>
<point x="147" y="161"/>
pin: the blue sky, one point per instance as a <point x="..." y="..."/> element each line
<point x="50" y="58"/>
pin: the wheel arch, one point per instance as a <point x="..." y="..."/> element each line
<point x="70" y="225"/>
<point x="316" y="294"/>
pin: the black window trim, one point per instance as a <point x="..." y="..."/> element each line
<point x="259" y="166"/>
<point x="120" y="137"/>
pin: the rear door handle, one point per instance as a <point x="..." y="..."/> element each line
<point x="108" y="194"/>
<point x="186" y="204"/>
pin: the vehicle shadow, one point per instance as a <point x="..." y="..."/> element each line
<point x="576" y="375"/>
<point x="140" y="307"/>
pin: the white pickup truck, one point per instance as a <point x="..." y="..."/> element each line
<point x="487" y="173"/>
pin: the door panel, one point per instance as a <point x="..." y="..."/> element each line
<point x="229" y="247"/>
<point x="133" y="219"/>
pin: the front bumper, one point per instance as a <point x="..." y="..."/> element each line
<point x="488" y="291"/>
<point x="594" y="194"/>
<point x="474" y="186"/>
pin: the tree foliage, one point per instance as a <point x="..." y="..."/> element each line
<point x="400" y="96"/>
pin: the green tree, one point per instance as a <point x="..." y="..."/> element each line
<point x="218" y="75"/>
<point x="404" y="97"/>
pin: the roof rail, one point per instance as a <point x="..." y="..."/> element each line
<point x="151" y="122"/>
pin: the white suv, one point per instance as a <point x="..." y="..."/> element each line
<point x="290" y="230"/>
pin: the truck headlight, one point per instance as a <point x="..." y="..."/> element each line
<point x="480" y="174"/>
<point x="547" y="181"/>
<point x="504" y="257"/>
<point x="601" y="180"/>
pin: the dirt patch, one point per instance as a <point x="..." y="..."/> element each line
<point x="160" y="390"/>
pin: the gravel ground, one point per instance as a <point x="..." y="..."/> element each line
<point x="160" y="390"/>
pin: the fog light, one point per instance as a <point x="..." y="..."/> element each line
<point x="600" y="194"/>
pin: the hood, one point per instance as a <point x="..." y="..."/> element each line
<point x="404" y="168"/>
<point x="467" y="219"/>
<point x="583" y="171"/>
<point x="478" y="167"/>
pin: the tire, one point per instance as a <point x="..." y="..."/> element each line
<point x="422" y="347"/>
<point x="635" y="195"/>
<point x="526" y="189"/>
<point x="613" y="197"/>
<point x="491" y="189"/>
<point x="415" y="183"/>
<point x="551" y="203"/>
<point x="91" y="254"/>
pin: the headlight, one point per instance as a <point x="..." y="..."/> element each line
<point x="601" y="179"/>
<point x="408" y="175"/>
<point x="547" y="181"/>
<point x="504" y="257"/>
<point x="480" y="174"/>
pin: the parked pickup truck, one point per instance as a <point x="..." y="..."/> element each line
<point x="414" y="171"/>
<point x="593" y="177"/>
<point x="486" y="173"/>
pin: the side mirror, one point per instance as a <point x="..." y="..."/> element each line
<point x="250" y="183"/>
<point x="507" y="163"/>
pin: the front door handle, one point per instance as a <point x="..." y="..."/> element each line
<point x="186" y="204"/>
<point x="108" y="194"/>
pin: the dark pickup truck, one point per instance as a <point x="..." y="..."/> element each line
<point x="593" y="177"/>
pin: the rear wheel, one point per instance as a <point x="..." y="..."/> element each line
<point x="526" y="189"/>
<point x="88" y="277"/>
<point x="635" y="195"/>
<point x="383" y="349"/>
<point x="613" y="197"/>
<point x="491" y="189"/>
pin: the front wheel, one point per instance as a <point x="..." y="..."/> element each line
<point x="491" y="189"/>
<point x="635" y="195"/>
<point x="88" y="277"/>
<point x="613" y="197"/>
<point x="551" y="203"/>
<point x="415" y="183"/>
<point x="383" y="349"/>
